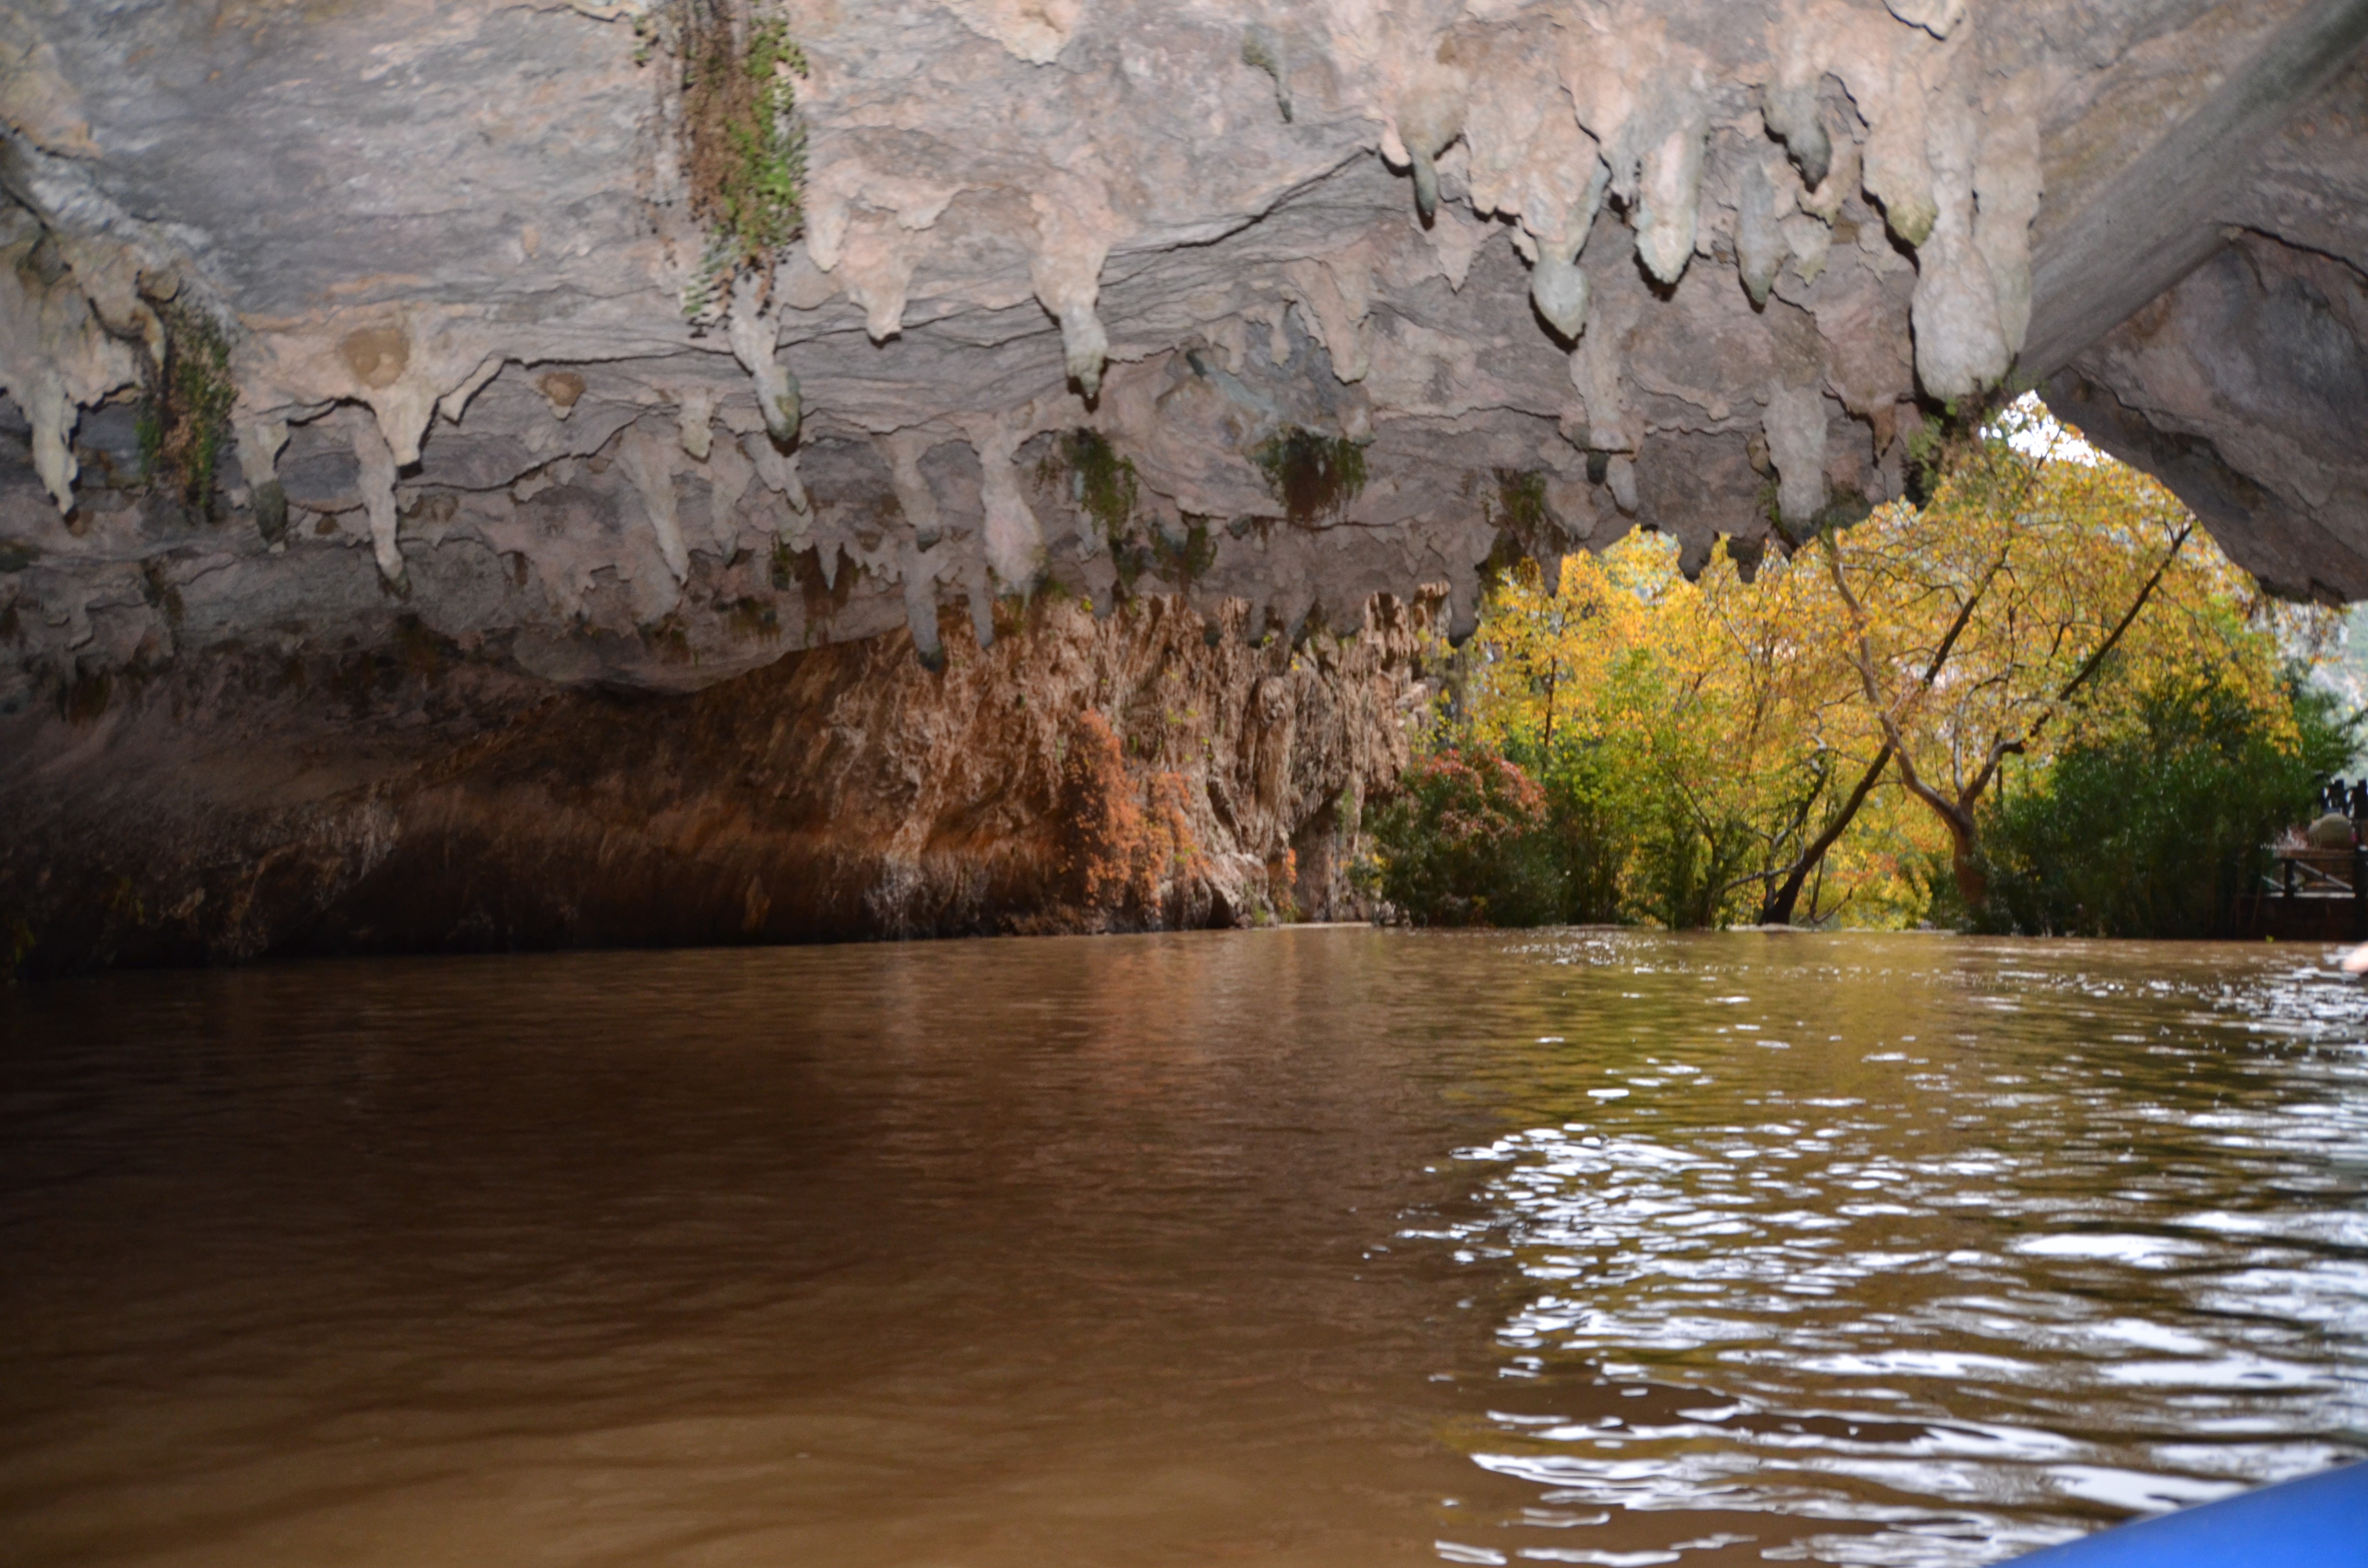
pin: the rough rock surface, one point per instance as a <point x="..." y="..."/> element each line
<point x="1686" y="259"/>
<point x="1350" y="295"/>
<point x="1148" y="769"/>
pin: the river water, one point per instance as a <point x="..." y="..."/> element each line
<point x="1318" y="1246"/>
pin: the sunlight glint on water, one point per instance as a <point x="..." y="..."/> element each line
<point x="1321" y="1247"/>
<point x="2112" y="1253"/>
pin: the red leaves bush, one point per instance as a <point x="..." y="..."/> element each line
<point x="1128" y="839"/>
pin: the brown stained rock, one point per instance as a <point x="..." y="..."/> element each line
<point x="1123" y="773"/>
<point x="377" y="356"/>
<point x="564" y="388"/>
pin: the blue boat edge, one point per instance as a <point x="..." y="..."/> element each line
<point x="2315" y="1521"/>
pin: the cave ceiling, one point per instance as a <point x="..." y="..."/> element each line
<point x="1348" y="294"/>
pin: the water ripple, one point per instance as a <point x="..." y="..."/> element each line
<point x="2084" y="1239"/>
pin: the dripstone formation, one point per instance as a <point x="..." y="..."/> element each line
<point x="327" y="328"/>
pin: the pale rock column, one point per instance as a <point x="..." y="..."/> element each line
<point x="1795" y="426"/>
<point x="755" y="343"/>
<point x="1015" y="540"/>
<point x="376" y="460"/>
<point x="649" y="465"/>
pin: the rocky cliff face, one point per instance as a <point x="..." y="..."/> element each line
<point x="328" y="327"/>
<point x="1150" y="769"/>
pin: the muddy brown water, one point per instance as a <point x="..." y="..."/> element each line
<point x="1301" y="1248"/>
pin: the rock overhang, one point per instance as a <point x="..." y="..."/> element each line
<point x="1698" y="266"/>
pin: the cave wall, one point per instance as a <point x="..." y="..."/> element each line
<point x="1153" y="768"/>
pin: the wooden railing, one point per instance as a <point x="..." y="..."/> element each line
<point x="2313" y="892"/>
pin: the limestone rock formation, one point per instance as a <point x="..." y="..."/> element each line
<point x="323" y="327"/>
<point x="1150" y="769"/>
<point x="442" y="250"/>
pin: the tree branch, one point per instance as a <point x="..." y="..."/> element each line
<point x="2095" y="659"/>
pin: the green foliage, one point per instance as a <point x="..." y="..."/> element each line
<point x="1924" y="464"/>
<point x="2042" y="701"/>
<point x="1506" y="562"/>
<point x="1686" y="868"/>
<point x="1476" y="837"/>
<point x="1314" y="476"/>
<point x="271" y="511"/>
<point x="1628" y="842"/>
<point x="710" y="281"/>
<point x="1521" y="502"/>
<point x="744" y="148"/>
<point x="1465" y="843"/>
<point x="1525" y="527"/>
<point x="1591" y="833"/>
<point x="1953" y="444"/>
<point x="1846" y="510"/>
<point x="1616" y="694"/>
<point x="2154" y="827"/>
<point x="1100" y="481"/>
<point x="184" y="422"/>
<point x="1182" y="561"/>
<point x="1104" y="486"/>
<point x="761" y="198"/>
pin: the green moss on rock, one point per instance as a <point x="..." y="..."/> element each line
<point x="1314" y="476"/>
<point x="183" y="423"/>
<point x="743" y="145"/>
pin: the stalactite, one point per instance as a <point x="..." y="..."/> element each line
<point x="756" y="341"/>
<point x="648" y="463"/>
<point x="378" y="467"/>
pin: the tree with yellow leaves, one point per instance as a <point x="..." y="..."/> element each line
<point x="1981" y="626"/>
<point x="1721" y="748"/>
<point x="1688" y="731"/>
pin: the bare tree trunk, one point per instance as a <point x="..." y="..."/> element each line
<point x="1777" y="909"/>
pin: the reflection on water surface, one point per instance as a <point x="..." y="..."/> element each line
<point x="1950" y="1246"/>
<point x="1325" y="1247"/>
